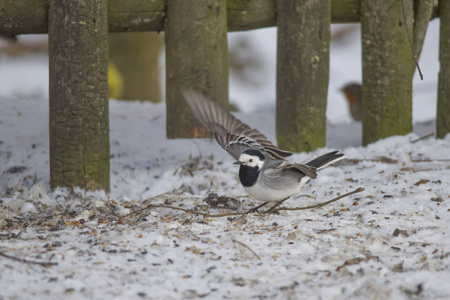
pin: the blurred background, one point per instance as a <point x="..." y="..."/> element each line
<point x="136" y="69"/>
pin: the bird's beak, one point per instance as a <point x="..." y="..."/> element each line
<point x="237" y="163"/>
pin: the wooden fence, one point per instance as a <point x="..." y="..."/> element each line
<point x="197" y="55"/>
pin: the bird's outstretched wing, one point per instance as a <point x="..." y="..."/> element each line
<point x="233" y="135"/>
<point x="274" y="168"/>
<point x="277" y="167"/>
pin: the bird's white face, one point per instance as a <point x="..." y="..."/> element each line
<point x="251" y="160"/>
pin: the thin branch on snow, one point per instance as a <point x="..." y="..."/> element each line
<point x="137" y="212"/>
<point x="247" y="247"/>
<point x="44" y="264"/>
<point x="358" y="190"/>
<point x="387" y="160"/>
<point x="422" y="138"/>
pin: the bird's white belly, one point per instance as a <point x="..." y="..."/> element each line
<point x="264" y="193"/>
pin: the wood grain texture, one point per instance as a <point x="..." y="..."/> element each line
<point x="302" y="74"/>
<point x="443" y="106"/>
<point x="197" y="58"/>
<point x="136" y="55"/>
<point x="25" y="16"/>
<point x="78" y="68"/>
<point x="387" y="69"/>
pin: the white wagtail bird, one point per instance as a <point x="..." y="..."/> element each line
<point x="263" y="172"/>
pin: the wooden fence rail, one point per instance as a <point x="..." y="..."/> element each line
<point x="196" y="56"/>
<point x="26" y="17"/>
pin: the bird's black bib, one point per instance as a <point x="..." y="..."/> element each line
<point x="248" y="175"/>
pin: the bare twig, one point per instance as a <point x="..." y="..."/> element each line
<point x="149" y="206"/>
<point x="11" y="235"/>
<point x="358" y="190"/>
<point x="183" y="209"/>
<point x="426" y="169"/>
<point x="423" y="137"/>
<point x="387" y="160"/>
<point x="247" y="247"/>
<point x="410" y="43"/>
<point x="423" y="11"/>
<point x="44" y="264"/>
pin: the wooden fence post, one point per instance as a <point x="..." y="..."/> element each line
<point x="387" y="69"/>
<point x="443" y="107"/>
<point x="78" y="67"/>
<point x="197" y="57"/>
<point x="302" y="73"/>
<point x="136" y="55"/>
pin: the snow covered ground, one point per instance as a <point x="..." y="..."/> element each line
<point x="388" y="242"/>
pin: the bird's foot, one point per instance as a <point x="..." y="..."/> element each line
<point x="272" y="209"/>
<point x="255" y="209"/>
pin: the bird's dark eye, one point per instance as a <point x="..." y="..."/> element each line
<point x="251" y="160"/>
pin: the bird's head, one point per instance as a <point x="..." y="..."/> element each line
<point x="251" y="158"/>
<point x="352" y="92"/>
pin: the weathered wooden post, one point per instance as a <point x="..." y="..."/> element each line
<point x="197" y="57"/>
<point x="443" y="107"/>
<point x="302" y="73"/>
<point x="78" y="67"/>
<point x="136" y="56"/>
<point x="388" y="67"/>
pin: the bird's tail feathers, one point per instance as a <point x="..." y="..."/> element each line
<point x="325" y="160"/>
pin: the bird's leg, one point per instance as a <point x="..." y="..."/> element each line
<point x="271" y="210"/>
<point x="255" y="209"/>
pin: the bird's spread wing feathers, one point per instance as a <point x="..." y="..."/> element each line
<point x="309" y="169"/>
<point x="233" y="135"/>
<point x="277" y="167"/>
<point x="325" y="160"/>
